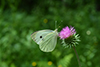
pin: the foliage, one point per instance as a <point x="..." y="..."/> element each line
<point x="20" y="18"/>
<point x="65" y="61"/>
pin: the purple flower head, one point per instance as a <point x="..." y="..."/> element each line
<point x="66" y="32"/>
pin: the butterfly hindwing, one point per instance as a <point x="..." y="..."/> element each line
<point x="49" y="42"/>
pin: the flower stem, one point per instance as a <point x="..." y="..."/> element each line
<point x="77" y="56"/>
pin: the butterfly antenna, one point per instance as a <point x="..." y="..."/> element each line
<point x="59" y="24"/>
<point x="55" y="24"/>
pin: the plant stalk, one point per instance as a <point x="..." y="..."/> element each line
<point x="77" y="56"/>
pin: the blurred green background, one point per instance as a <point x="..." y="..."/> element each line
<point x="20" y="18"/>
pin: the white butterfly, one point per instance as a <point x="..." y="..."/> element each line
<point x="46" y="39"/>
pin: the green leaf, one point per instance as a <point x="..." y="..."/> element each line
<point x="65" y="61"/>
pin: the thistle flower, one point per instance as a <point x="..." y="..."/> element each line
<point x="69" y="37"/>
<point x="67" y="32"/>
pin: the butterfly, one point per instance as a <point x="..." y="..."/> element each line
<point x="46" y="39"/>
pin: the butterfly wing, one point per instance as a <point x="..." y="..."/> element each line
<point x="39" y="35"/>
<point x="49" y="42"/>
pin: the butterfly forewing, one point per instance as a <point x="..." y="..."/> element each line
<point x="39" y="35"/>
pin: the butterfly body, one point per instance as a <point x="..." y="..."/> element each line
<point x="46" y="39"/>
